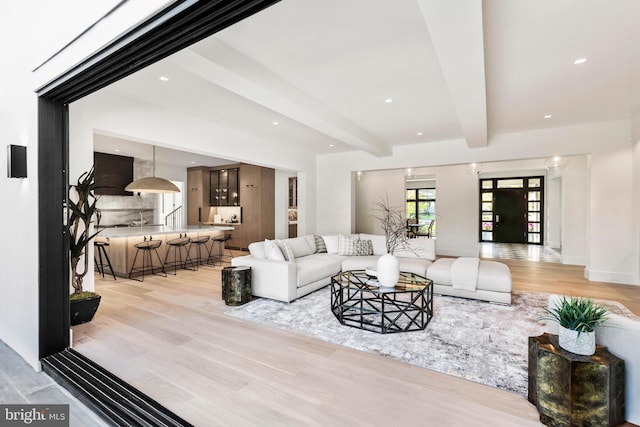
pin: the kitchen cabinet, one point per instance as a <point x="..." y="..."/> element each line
<point x="223" y="184"/>
<point x="198" y="195"/>
<point x="257" y="192"/>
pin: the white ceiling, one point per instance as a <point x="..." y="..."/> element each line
<point x="454" y="69"/>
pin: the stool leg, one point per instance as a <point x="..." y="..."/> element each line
<point x="187" y="249"/>
<point x="108" y="263"/>
<point x="159" y="261"/>
<point x="134" y="264"/>
<point x="166" y="257"/>
<point x="100" y="248"/>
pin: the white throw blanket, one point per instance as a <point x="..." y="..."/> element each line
<point x="464" y="273"/>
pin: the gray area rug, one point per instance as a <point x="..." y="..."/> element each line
<point x="478" y="341"/>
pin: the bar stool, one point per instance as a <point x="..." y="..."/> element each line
<point x="178" y="245"/>
<point x="220" y="241"/>
<point x="146" y="247"/>
<point x="201" y="241"/>
<point x="99" y="246"/>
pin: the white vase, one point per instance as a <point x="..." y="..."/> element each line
<point x="583" y="344"/>
<point x="388" y="270"/>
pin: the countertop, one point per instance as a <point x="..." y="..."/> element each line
<point x="161" y="229"/>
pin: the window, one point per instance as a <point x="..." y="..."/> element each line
<point x="421" y="207"/>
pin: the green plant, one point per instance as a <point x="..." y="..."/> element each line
<point x="577" y="314"/>
<point x="83" y="209"/>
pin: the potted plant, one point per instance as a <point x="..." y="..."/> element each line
<point x="578" y="319"/>
<point x="395" y="232"/>
<point x="82" y="206"/>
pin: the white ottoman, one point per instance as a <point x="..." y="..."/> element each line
<point x="494" y="281"/>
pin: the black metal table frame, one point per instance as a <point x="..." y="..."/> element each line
<point x="405" y="308"/>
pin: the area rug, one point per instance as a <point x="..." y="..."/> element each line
<point x="478" y="341"/>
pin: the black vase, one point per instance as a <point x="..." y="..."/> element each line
<point x="83" y="310"/>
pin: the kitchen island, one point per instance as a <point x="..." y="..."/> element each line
<point x="121" y="249"/>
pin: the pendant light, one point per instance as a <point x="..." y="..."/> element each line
<point x="152" y="184"/>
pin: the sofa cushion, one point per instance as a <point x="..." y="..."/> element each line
<point x="272" y="251"/>
<point x="378" y="241"/>
<point x="286" y="250"/>
<point x="440" y="271"/>
<point x="302" y="246"/>
<point x="321" y="248"/>
<point x="363" y="248"/>
<point x="418" y="248"/>
<point x="414" y="265"/>
<point x="256" y="249"/>
<point x="315" y="267"/>
<point x="332" y="244"/>
<point x="359" y="262"/>
<point x="494" y="276"/>
<point x="346" y="245"/>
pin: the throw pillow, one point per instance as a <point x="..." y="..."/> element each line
<point x="346" y="245"/>
<point x="363" y="248"/>
<point x="286" y="250"/>
<point x="332" y="244"/>
<point x="321" y="248"/>
<point x="272" y="251"/>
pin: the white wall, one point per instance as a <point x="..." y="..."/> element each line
<point x="575" y="211"/>
<point x="613" y="252"/>
<point x="30" y="32"/>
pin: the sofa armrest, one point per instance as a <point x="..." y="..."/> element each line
<point x="270" y="278"/>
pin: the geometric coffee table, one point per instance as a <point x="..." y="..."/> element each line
<point x="358" y="300"/>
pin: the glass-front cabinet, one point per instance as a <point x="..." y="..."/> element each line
<point x="224" y="187"/>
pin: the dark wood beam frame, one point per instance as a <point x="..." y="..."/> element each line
<point x="177" y="26"/>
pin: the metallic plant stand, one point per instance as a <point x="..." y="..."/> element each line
<point x="236" y="285"/>
<point x="573" y="390"/>
<point x="357" y="300"/>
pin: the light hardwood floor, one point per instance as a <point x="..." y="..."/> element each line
<point x="170" y="338"/>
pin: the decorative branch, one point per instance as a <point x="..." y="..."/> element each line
<point x="394" y="226"/>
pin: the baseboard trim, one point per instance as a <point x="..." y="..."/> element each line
<point x="611" y="277"/>
<point x="575" y="260"/>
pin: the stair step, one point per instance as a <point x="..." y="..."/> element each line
<point x="109" y="396"/>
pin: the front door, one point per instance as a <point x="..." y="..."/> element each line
<point x="510" y="215"/>
<point x="512" y="210"/>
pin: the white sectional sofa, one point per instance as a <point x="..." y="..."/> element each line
<point x="274" y="276"/>
<point x="491" y="282"/>
<point x="290" y="268"/>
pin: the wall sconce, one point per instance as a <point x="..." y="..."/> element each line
<point x="409" y="172"/>
<point x="16" y="161"/>
<point x="556" y="163"/>
<point x="474" y="168"/>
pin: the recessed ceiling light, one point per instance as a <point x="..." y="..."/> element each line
<point x="419" y="133"/>
<point x="116" y="150"/>
<point x="330" y="145"/>
<point x="276" y="123"/>
<point x="388" y="100"/>
<point x="580" y="61"/>
<point x="193" y="163"/>
<point x="548" y="116"/>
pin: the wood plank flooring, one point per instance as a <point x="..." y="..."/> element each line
<point x="170" y="338"/>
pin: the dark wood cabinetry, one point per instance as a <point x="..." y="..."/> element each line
<point x="249" y="186"/>
<point x="257" y="190"/>
<point x="197" y="195"/>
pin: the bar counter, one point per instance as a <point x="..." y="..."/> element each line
<point x="121" y="249"/>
